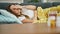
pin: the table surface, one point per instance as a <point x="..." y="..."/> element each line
<point x="28" y="29"/>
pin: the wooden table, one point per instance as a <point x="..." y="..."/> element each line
<point x="28" y="29"/>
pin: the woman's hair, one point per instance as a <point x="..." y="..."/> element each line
<point x="8" y="9"/>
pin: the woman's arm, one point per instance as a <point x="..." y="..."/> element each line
<point x="31" y="20"/>
<point x="27" y="21"/>
<point x="35" y="15"/>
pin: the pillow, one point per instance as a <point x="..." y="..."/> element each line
<point x="6" y="20"/>
<point x="8" y="17"/>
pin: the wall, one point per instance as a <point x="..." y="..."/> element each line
<point x="11" y="1"/>
<point x="53" y="0"/>
<point x="43" y="1"/>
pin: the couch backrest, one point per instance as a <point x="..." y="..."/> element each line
<point x="43" y="5"/>
<point x="4" y="5"/>
<point x="46" y="5"/>
<point x="56" y="3"/>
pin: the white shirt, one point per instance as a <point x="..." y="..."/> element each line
<point x="28" y="12"/>
<point x="21" y="18"/>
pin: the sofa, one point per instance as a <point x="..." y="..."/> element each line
<point x="4" y="6"/>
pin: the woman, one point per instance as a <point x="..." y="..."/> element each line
<point x="17" y="11"/>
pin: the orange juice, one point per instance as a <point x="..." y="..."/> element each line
<point x="53" y="23"/>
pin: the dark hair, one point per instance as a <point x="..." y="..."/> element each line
<point x="8" y="9"/>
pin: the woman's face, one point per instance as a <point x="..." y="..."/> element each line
<point x="16" y="9"/>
